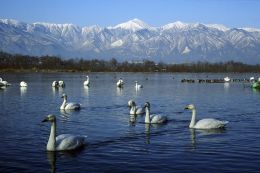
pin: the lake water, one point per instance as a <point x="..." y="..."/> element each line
<point x="114" y="144"/>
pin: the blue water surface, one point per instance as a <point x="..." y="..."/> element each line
<point x="115" y="144"/>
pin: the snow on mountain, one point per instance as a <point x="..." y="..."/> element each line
<point x="176" y="25"/>
<point x="133" y="40"/>
<point x="218" y="27"/>
<point x="133" y="25"/>
<point x="251" y="29"/>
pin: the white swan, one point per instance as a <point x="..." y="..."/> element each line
<point x="61" y="83"/>
<point x="208" y="123"/>
<point x="23" y="84"/>
<point x="68" y="106"/>
<point x="138" y="86"/>
<point x="120" y="83"/>
<point x="55" y="84"/>
<point x="252" y="79"/>
<point x="153" y="119"/>
<point x="227" y="79"/>
<point x="4" y="83"/>
<point x="64" y="141"/>
<point x="86" y="83"/>
<point x="136" y="110"/>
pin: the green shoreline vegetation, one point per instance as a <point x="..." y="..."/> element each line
<point x="24" y="63"/>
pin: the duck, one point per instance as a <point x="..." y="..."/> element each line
<point x="68" y="106"/>
<point x="153" y="119"/>
<point x="120" y="83"/>
<point x="138" y="86"/>
<point x="136" y="110"/>
<point x="207" y="123"/>
<point x="86" y="82"/>
<point x="64" y="141"/>
<point x="23" y="84"/>
<point x="61" y="83"/>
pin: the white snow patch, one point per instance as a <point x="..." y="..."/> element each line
<point x="117" y="43"/>
<point x="186" y="50"/>
<point x="218" y="27"/>
<point x="133" y="25"/>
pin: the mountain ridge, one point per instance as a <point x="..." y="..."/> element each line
<point x="133" y="40"/>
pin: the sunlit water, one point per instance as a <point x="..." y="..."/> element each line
<point x="114" y="144"/>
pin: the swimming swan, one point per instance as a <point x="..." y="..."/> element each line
<point x="153" y="119"/>
<point x="64" y="141"/>
<point x="68" y="106"/>
<point x="55" y="84"/>
<point x="4" y="83"/>
<point x="138" y="86"/>
<point x="120" y="83"/>
<point x="86" y="83"/>
<point x="208" y="123"/>
<point x="136" y="110"/>
<point x="23" y="84"/>
<point x="61" y="83"/>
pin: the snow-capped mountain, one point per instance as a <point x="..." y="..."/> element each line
<point x="133" y="40"/>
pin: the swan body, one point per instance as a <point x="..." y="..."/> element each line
<point x="138" y="86"/>
<point x="64" y="141"/>
<point x="252" y="79"/>
<point x="86" y="83"/>
<point x="68" y="106"/>
<point x="136" y="110"/>
<point x="23" y="84"/>
<point x="207" y="123"/>
<point x="153" y="119"/>
<point x="61" y="83"/>
<point x="120" y="83"/>
<point x="4" y="83"/>
<point x="227" y="79"/>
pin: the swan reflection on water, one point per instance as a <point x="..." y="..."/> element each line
<point x="194" y="133"/>
<point x="226" y="86"/>
<point x="86" y="89"/>
<point x="119" y="91"/>
<point x="52" y="156"/>
<point x="23" y="90"/>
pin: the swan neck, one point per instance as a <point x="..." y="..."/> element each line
<point x="147" y="115"/>
<point x="52" y="139"/>
<point x="133" y="110"/>
<point x="193" y="118"/>
<point x="64" y="103"/>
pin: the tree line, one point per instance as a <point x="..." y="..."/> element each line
<point x="9" y="62"/>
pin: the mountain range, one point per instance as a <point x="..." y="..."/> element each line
<point x="133" y="40"/>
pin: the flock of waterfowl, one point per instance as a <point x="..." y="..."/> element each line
<point x="70" y="142"/>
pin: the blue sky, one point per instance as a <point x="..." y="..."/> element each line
<point x="232" y="13"/>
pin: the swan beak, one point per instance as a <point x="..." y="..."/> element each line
<point x="186" y="107"/>
<point x="45" y="120"/>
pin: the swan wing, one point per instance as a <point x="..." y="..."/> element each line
<point x="158" y="119"/>
<point x="69" y="142"/>
<point x="210" y="123"/>
<point x="72" y="106"/>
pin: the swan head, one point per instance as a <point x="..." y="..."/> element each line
<point x="130" y="102"/>
<point x="190" y="107"/>
<point x="49" y="118"/>
<point x="64" y="95"/>
<point x="147" y="105"/>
